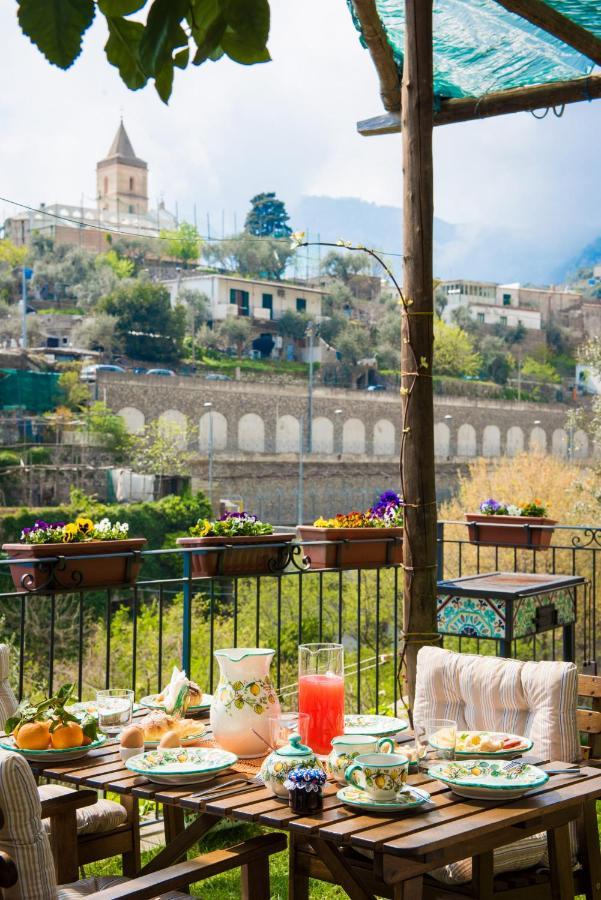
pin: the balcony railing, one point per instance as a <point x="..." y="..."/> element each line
<point x="132" y="636"/>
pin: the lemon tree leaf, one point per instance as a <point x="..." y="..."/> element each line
<point x="56" y="27"/>
<point x="123" y="51"/>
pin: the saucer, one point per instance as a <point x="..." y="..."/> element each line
<point x="410" y="798"/>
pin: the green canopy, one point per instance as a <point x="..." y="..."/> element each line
<point x="480" y="47"/>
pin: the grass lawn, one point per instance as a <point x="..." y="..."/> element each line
<point x="227" y="886"/>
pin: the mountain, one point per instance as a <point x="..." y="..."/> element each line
<point x="587" y="258"/>
<point x="483" y="252"/>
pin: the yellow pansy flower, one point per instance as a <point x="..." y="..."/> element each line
<point x="205" y="528"/>
<point x="70" y="530"/>
<point x="84" y="525"/>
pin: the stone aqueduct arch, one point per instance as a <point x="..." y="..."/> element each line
<point x="134" y="419"/>
<point x="248" y="434"/>
<point x="219" y="431"/>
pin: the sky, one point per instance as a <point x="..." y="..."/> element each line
<point x="232" y="131"/>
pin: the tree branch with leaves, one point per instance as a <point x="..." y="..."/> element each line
<point x="173" y="34"/>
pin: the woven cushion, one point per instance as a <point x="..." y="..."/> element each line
<point x="105" y="815"/>
<point x="8" y="701"/>
<point x="22" y="835"/>
<point x="88" y="886"/>
<point x="534" y="699"/>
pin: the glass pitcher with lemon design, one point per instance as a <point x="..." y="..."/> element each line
<point x="244" y="701"/>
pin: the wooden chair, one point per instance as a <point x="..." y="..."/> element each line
<point x="27" y="872"/>
<point x="105" y="828"/>
<point x="588" y="717"/>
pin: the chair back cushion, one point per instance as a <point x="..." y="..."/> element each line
<point x="22" y="835"/>
<point x="8" y="701"/>
<point x="486" y="693"/>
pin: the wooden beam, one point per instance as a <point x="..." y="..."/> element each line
<point x="417" y="432"/>
<point x="500" y="103"/>
<point x="380" y="52"/>
<point x="539" y="13"/>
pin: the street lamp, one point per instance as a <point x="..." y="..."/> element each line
<point x="208" y="405"/>
<point x="448" y="417"/>
<point x="310" y="332"/>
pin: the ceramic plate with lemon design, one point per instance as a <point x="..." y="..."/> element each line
<point x="407" y="799"/>
<point x="484" y="779"/>
<point x="377" y="726"/>
<point x="183" y="765"/>
<point x="7" y="742"/>
<point x="151" y="702"/>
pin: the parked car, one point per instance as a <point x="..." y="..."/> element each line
<point x="89" y="373"/>
<point x="160" y="372"/>
<point x="217" y="376"/>
<point x="376" y="387"/>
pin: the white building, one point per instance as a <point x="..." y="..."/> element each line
<point x="492" y="304"/>
<point x="263" y="302"/>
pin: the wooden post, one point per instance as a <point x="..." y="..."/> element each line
<point x="417" y="439"/>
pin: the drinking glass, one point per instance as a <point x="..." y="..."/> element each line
<point x="115" y="708"/>
<point x="321" y="693"/>
<point x="281" y="727"/>
<point x="435" y="740"/>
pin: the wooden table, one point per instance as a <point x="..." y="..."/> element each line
<point x="403" y="848"/>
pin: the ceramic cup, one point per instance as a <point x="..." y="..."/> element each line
<point x="347" y="747"/>
<point x="380" y="775"/>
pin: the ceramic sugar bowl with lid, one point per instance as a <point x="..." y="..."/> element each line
<point x="280" y="762"/>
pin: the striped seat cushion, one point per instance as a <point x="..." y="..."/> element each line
<point x="105" y="815"/>
<point x="22" y="835"/>
<point x="534" y="699"/>
<point x="88" y="886"/>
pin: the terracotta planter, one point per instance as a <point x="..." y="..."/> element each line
<point x="352" y="548"/>
<point x="57" y="571"/>
<point x="259" y="556"/>
<point x="509" y="531"/>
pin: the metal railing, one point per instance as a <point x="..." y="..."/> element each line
<point x="132" y="635"/>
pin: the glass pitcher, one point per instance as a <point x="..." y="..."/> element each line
<point x="321" y="693"/>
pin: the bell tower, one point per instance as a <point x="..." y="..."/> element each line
<point x="122" y="178"/>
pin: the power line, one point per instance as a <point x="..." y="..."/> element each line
<point x="133" y="234"/>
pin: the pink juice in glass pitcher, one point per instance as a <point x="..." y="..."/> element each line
<point x="321" y="693"/>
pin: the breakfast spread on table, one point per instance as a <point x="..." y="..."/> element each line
<point x="370" y="765"/>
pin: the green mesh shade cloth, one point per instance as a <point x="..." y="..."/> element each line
<point x="479" y="47"/>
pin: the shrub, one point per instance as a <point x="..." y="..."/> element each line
<point x="8" y="458"/>
<point x="38" y="456"/>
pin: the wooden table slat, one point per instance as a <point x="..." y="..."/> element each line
<point x="516" y="811"/>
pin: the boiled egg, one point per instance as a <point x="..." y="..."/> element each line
<point x="169" y="739"/>
<point x="132" y="737"/>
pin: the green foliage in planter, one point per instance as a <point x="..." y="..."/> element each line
<point x="160" y="522"/>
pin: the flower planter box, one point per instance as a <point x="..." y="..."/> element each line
<point x="55" y="570"/>
<point x="509" y="531"/>
<point x="352" y="548"/>
<point x="259" y="556"/>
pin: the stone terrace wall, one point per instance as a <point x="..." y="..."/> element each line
<point x="262" y="418"/>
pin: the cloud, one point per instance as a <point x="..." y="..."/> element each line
<point x="289" y="126"/>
